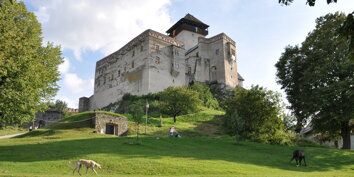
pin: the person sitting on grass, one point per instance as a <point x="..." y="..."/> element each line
<point x="171" y="131"/>
<point x="178" y="135"/>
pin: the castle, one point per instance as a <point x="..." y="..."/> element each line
<point x="152" y="61"/>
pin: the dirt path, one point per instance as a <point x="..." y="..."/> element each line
<point x="10" y="136"/>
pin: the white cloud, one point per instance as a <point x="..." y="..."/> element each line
<point x="99" y="25"/>
<point x="64" y="67"/>
<point x="76" y="84"/>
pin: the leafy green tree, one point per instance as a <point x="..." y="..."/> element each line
<point x="137" y="115"/>
<point x="61" y="106"/>
<point x="318" y="78"/>
<point x="235" y="124"/>
<point x="289" y="121"/>
<point x="346" y="29"/>
<point x="255" y="112"/>
<point x="205" y="95"/>
<point x="179" y="100"/>
<point x="309" y="2"/>
<point x="28" y="70"/>
<point x="294" y="76"/>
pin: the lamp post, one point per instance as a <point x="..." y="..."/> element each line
<point x="146" y="120"/>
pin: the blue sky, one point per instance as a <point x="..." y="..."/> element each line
<point x="88" y="30"/>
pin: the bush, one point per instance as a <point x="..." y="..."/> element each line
<point x="280" y="137"/>
<point x="301" y="141"/>
<point x="255" y="114"/>
<point x="205" y="95"/>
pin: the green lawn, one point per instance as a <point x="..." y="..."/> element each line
<point x="200" y="152"/>
<point x="9" y="130"/>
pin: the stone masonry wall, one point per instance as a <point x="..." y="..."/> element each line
<point x="84" y="104"/>
<point x="120" y="122"/>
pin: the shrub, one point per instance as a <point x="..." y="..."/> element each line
<point x="255" y="114"/>
<point x="205" y="95"/>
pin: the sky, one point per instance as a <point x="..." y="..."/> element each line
<point x="88" y="30"/>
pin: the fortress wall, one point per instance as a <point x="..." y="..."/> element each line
<point x="153" y="61"/>
<point x="231" y="76"/>
<point x="121" y="74"/>
<point x="166" y="66"/>
<point x="212" y="49"/>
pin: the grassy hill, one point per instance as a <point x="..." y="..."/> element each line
<point x="202" y="151"/>
<point x="9" y="130"/>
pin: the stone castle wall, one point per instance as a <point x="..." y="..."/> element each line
<point x="84" y="104"/>
<point x="146" y="64"/>
<point x="153" y="61"/>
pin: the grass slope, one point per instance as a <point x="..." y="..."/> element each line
<point x="200" y="152"/>
<point x="9" y="130"/>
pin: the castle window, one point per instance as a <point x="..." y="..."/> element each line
<point x="133" y="53"/>
<point x="157" y="47"/>
<point x="141" y="48"/>
<point x="119" y="73"/>
<point x="176" y="52"/>
<point x="157" y="60"/>
<point x="132" y="64"/>
<point x="197" y="54"/>
<point x="217" y="51"/>
<point x="233" y="52"/>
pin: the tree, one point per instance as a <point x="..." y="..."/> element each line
<point x="61" y="106"/>
<point x="294" y="75"/>
<point x="347" y="28"/>
<point x="309" y="2"/>
<point x="137" y="115"/>
<point x="255" y="113"/>
<point x="179" y="100"/>
<point x="235" y="124"/>
<point x="28" y="70"/>
<point x="205" y="95"/>
<point x="318" y="78"/>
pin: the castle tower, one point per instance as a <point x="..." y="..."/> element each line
<point x="187" y="30"/>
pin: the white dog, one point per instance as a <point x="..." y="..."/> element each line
<point x="88" y="163"/>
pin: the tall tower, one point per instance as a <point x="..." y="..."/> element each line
<point x="187" y="30"/>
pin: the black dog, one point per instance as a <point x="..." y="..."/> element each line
<point x="298" y="155"/>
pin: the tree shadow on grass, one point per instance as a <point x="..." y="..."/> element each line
<point x="318" y="159"/>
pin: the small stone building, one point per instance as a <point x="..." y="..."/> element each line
<point x="111" y="124"/>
